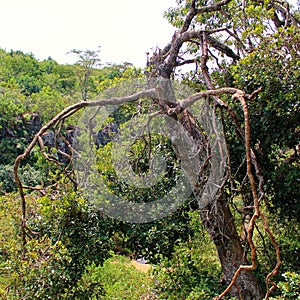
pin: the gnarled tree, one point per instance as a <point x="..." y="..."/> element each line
<point x="217" y="38"/>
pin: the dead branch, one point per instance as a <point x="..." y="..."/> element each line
<point x="204" y="69"/>
<point x="277" y="248"/>
<point x="67" y="112"/>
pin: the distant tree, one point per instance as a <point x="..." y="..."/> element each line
<point x="88" y="60"/>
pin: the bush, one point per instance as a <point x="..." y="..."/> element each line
<point x="290" y="288"/>
<point x="29" y="175"/>
<point x="194" y="270"/>
<point x="117" y="279"/>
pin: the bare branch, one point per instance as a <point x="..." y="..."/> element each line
<point x="204" y="69"/>
<point x="186" y="62"/>
<point x="277" y="248"/>
<point x="151" y="93"/>
<point x="192" y="99"/>
<point x="189" y="17"/>
<point x="222" y="48"/>
<point x="166" y="60"/>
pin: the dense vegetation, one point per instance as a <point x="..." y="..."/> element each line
<point x="67" y="248"/>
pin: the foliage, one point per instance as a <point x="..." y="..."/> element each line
<point x="30" y="177"/>
<point x="287" y="234"/>
<point x="153" y="240"/>
<point x="289" y="287"/>
<point x="47" y="103"/>
<point x="84" y="231"/>
<point x="12" y="103"/>
<point x="275" y="116"/>
<point x="69" y="241"/>
<point x="115" y="279"/>
<point x="66" y="235"/>
<point x="31" y="75"/>
<point x="24" y="68"/>
<point x="113" y="75"/>
<point x="37" y="273"/>
<point x="193" y="271"/>
<point x="88" y="61"/>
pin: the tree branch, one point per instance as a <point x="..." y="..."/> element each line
<point x="256" y="213"/>
<point x="200" y="10"/>
<point x="222" y="48"/>
<point x="67" y="112"/>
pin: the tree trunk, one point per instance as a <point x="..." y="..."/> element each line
<point x="216" y="217"/>
<point x="218" y="221"/>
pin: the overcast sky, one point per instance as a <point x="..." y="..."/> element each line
<point x="125" y="29"/>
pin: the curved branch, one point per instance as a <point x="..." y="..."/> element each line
<point x="222" y="48"/>
<point x="166" y="60"/>
<point x="151" y="93"/>
<point x="256" y="213"/>
<point x="216" y="92"/>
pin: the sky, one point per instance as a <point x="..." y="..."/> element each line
<point x="124" y="29"/>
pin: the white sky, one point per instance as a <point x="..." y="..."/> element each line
<point x="125" y="29"/>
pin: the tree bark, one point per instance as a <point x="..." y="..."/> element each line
<point x="216" y="217"/>
<point x="218" y="221"/>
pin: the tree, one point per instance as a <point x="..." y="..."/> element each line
<point x="222" y="39"/>
<point x="24" y="68"/>
<point x="87" y="61"/>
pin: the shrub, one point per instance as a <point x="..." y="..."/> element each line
<point x="290" y="288"/>
<point x="194" y="270"/>
<point x="116" y="279"/>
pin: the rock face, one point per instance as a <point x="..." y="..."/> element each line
<point x="61" y="142"/>
<point x="15" y="134"/>
<point x="25" y="126"/>
<point x="101" y="138"/>
<point x="106" y="134"/>
<point x="32" y="123"/>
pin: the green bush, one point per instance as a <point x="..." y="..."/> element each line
<point x="38" y="272"/>
<point x="116" y="279"/>
<point x="194" y="270"/>
<point x="290" y="288"/>
<point x="29" y="176"/>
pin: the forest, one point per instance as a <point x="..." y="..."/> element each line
<point x="179" y="180"/>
